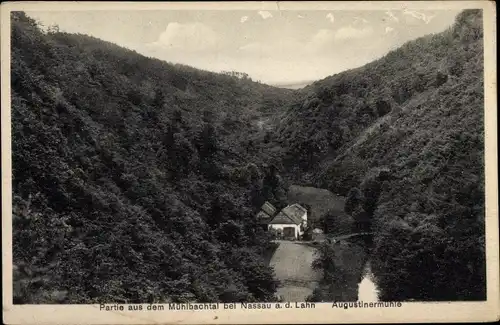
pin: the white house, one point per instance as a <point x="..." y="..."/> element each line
<point x="290" y="222"/>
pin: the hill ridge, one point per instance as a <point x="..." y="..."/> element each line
<point x="403" y="139"/>
<point x="154" y="172"/>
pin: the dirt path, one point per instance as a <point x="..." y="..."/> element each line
<point x="292" y="262"/>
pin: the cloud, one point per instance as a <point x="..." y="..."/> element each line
<point x="300" y="16"/>
<point x="284" y="48"/>
<point x="320" y="41"/>
<point x="265" y="14"/>
<point x="359" y="20"/>
<point x="243" y="19"/>
<point x="349" y="32"/>
<point x="324" y="39"/>
<point x="323" y="35"/>
<point x="389" y="29"/>
<point x="255" y="48"/>
<point x="189" y="37"/>
<point x="418" y="15"/>
<point x="330" y="17"/>
<point x="391" y="15"/>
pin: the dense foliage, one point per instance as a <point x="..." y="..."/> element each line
<point x="133" y="179"/>
<point x="137" y="180"/>
<point x="342" y="265"/>
<point x="403" y="139"/>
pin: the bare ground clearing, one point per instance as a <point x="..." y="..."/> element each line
<point x="292" y="262"/>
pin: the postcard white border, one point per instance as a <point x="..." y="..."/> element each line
<point x="323" y="313"/>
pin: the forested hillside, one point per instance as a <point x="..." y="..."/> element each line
<point x="403" y="138"/>
<point x="138" y="180"/>
<point x="133" y="179"/>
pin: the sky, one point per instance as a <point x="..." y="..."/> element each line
<point x="273" y="46"/>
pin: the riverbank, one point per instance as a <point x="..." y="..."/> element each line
<point x="342" y="265"/>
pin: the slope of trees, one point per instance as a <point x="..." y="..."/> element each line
<point x="133" y="179"/>
<point x="136" y="180"/>
<point x="342" y="266"/>
<point x="403" y="138"/>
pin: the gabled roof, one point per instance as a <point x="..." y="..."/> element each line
<point x="292" y="214"/>
<point x="295" y="211"/>
<point x="263" y="217"/>
<point x="268" y="208"/>
<point x="282" y="218"/>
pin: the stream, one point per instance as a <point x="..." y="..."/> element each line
<point x="367" y="289"/>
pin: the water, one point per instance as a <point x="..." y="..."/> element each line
<point x="367" y="289"/>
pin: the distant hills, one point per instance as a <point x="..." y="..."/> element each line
<point x="293" y="85"/>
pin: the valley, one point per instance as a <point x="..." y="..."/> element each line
<point x="139" y="180"/>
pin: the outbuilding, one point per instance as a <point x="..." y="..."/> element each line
<point x="290" y="223"/>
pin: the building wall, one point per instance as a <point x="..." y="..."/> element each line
<point x="304" y="219"/>
<point x="298" y="232"/>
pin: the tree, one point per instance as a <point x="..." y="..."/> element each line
<point x="53" y="29"/>
<point x="159" y="98"/>
<point x="354" y="199"/>
<point x="232" y="233"/>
